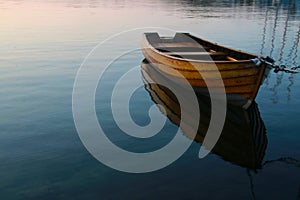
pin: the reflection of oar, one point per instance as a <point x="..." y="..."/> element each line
<point x="274" y="30"/>
<point x="295" y="49"/>
<point x="268" y="60"/>
<point x="279" y="77"/>
<point x="264" y="32"/>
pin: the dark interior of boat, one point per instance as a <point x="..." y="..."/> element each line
<point x="186" y="46"/>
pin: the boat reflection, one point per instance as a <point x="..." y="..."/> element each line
<point x="243" y="140"/>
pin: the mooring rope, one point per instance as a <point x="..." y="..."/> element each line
<point x="251" y="184"/>
<point x="270" y="62"/>
<point x="287" y="160"/>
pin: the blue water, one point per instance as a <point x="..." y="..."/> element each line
<point x="43" y="44"/>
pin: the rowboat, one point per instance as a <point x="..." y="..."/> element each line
<point x="243" y="140"/>
<point x="205" y="64"/>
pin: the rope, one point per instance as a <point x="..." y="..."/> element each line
<point x="251" y="184"/>
<point x="287" y="160"/>
<point x="270" y="62"/>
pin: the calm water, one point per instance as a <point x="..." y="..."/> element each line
<point x="43" y="44"/>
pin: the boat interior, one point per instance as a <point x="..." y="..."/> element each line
<point x="186" y="46"/>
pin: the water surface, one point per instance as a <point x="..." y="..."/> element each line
<point x="43" y="44"/>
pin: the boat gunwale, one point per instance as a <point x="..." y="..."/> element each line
<point x="151" y="47"/>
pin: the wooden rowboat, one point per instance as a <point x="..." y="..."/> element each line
<point x="243" y="140"/>
<point x="205" y="64"/>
